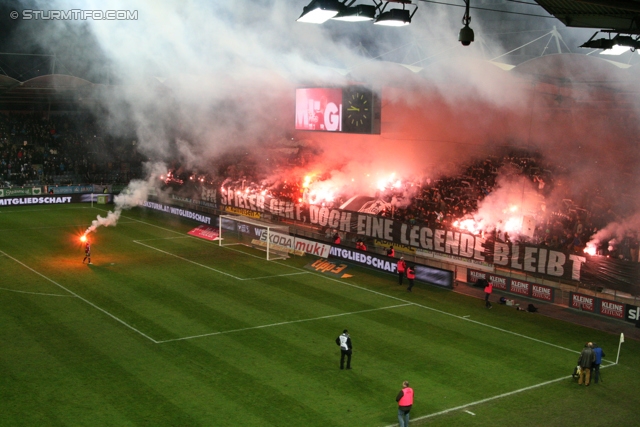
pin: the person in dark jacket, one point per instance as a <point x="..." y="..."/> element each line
<point x="346" y="348"/>
<point x="585" y="361"/>
<point x="596" y="365"/>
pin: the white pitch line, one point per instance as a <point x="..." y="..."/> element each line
<point x="281" y="323"/>
<point x="489" y="399"/>
<point x="36" y="293"/>
<point x="210" y="268"/>
<point x="277" y="275"/>
<point x="163" y="238"/>
<point x="55" y="226"/>
<point x="388" y="296"/>
<point x="40" y="210"/>
<point x="188" y="260"/>
<point x="78" y="296"/>
<point x="441" y="312"/>
<point x="469" y="412"/>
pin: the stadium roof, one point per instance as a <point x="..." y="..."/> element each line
<point x="54" y="89"/>
<point x="63" y="92"/>
<point x="618" y="15"/>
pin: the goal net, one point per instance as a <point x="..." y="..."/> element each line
<point x="270" y="238"/>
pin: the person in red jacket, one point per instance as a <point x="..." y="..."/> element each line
<point x="401" y="267"/>
<point x="411" y="275"/>
<point x="487" y="293"/>
<point x="360" y="245"/>
<point x="336" y="239"/>
<point x="87" y="252"/>
<point x="405" y="401"/>
<point x="391" y="252"/>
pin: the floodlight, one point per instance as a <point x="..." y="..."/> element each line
<point x="358" y="13"/>
<point x="616" y="50"/>
<point x="320" y="11"/>
<point x="394" y="18"/>
<point x="599" y="44"/>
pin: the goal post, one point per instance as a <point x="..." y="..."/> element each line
<point x="239" y="230"/>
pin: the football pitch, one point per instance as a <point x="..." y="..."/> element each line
<point x="165" y="329"/>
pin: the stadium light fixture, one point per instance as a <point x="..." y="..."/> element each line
<point x="357" y="13"/>
<point x="396" y="17"/>
<point x="619" y="41"/>
<point x="320" y="11"/>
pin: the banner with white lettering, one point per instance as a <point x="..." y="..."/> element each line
<point x="582" y="302"/>
<point x="611" y="309"/>
<point x="44" y="200"/>
<point x="631" y="313"/>
<point x="177" y="211"/>
<point x="430" y="275"/>
<point x="514" y="286"/>
<point x="450" y="245"/>
<point x="297" y="245"/>
<point x="440" y="243"/>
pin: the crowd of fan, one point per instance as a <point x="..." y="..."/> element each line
<point x="442" y="201"/>
<point x="62" y="149"/>
<point x="72" y="149"/>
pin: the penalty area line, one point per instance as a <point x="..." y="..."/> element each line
<point x="489" y="399"/>
<point x="79" y="297"/>
<point x="187" y="260"/>
<point x="37" y="293"/>
<point x="281" y="323"/>
<point x="464" y="318"/>
<point x="277" y="275"/>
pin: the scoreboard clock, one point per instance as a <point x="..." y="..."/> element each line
<point x="357" y="110"/>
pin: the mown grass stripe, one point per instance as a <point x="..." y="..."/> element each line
<point x="79" y="297"/>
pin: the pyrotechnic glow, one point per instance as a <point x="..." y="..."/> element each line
<point x="513" y="208"/>
<point x="391" y="181"/>
<point x="590" y="249"/>
<point x="306" y="182"/>
<point x="513" y="224"/>
<point x="468" y="225"/>
<point x="83" y="238"/>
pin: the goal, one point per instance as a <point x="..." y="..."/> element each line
<point x="270" y="238"/>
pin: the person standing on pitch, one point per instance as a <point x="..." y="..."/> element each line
<point x="346" y="348"/>
<point x="401" y="266"/>
<point x="596" y="365"/>
<point x="487" y="293"/>
<point x="586" y="360"/>
<point x="87" y="252"/>
<point x="405" y="401"/>
<point x="411" y="275"/>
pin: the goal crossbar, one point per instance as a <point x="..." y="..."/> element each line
<point x="253" y="233"/>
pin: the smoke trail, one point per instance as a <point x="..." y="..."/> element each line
<point x="615" y="231"/>
<point x="136" y="193"/>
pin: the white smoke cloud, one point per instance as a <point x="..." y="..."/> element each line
<point x="136" y="193"/>
<point x="199" y="78"/>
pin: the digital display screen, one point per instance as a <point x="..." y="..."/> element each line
<point x="353" y="109"/>
<point x="434" y="276"/>
<point x="319" y="109"/>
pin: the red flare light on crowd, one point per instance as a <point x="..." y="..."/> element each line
<point x="590" y="249"/>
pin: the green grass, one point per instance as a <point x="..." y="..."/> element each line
<point x="170" y="330"/>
